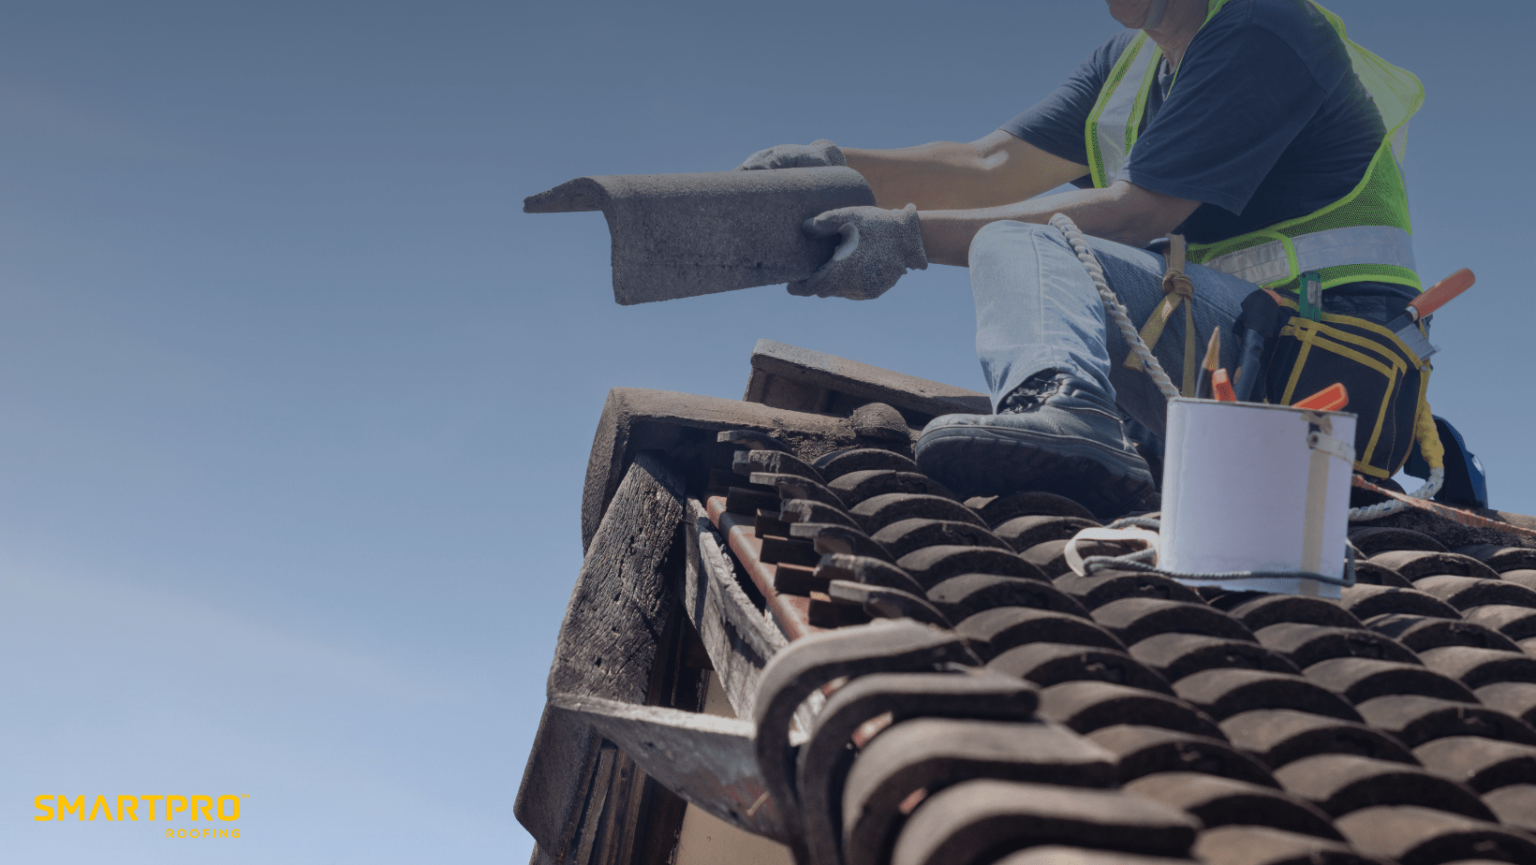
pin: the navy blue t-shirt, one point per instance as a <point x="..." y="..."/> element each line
<point x="1265" y="121"/>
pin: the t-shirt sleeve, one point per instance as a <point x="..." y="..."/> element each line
<point x="1241" y="98"/>
<point x="1055" y="124"/>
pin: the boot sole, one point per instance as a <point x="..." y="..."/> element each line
<point x="982" y="461"/>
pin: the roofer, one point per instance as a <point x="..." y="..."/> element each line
<point x="1251" y="127"/>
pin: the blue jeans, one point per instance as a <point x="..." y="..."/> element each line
<point x="1037" y="309"/>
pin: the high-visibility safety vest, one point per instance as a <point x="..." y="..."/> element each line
<point x="1364" y="236"/>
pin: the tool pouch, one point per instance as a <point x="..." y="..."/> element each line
<point x="1385" y="379"/>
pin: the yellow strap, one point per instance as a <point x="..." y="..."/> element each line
<point x="1429" y="437"/>
<point x="1176" y="288"/>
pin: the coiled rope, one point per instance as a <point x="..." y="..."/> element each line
<point x="1122" y="319"/>
<point x="1142" y="562"/>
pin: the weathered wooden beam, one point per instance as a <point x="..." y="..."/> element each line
<point x="582" y="799"/>
<point x="738" y="636"/>
<point x="708" y="760"/>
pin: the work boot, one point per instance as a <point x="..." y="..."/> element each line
<point x="1055" y="433"/>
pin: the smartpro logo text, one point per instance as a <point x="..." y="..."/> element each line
<point x="225" y="809"/>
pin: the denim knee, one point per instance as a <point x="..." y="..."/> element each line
<point x="1006" y="236"/>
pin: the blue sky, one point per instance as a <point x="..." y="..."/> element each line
<point x="297" y="402"/>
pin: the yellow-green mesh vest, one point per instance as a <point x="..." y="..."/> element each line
<point x="1366" y="235"/>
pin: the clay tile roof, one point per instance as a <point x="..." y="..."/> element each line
<point x="1170" y="725"/>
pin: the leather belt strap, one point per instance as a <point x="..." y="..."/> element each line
<point x="1177" y="289"/>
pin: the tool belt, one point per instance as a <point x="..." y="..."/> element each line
<point x="1307" y="350"/>
<point x="1385" y="379"/>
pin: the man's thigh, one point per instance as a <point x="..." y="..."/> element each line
<point x="1136" y="277"/>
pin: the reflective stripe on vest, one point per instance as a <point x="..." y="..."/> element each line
<point x="1116" y="124"/>
<point x="1336" y="247"/>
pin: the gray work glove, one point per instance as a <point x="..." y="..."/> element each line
<point x="878" y="246"/>
<point x="818" y="154"/>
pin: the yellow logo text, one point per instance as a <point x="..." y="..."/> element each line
<point x="222" y="808"/>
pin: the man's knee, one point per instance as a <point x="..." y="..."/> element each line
<point x="1008" y="237"/>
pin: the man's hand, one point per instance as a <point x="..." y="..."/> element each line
<point x="818" y="154"/>
<point x="878" y="246"/>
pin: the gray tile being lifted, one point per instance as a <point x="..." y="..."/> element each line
<point x="683" y="235"/>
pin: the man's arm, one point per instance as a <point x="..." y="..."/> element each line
<point x="1123" y="212"/>
<point x="946" y="175"/>
<point x="958" y="188"/>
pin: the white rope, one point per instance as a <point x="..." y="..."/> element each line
<point x="1122" y="318"/>
<point x="1392" y="506"/>
<point x="1112" y="305"/>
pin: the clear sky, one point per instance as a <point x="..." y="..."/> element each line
<point x="295" y="403"/>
